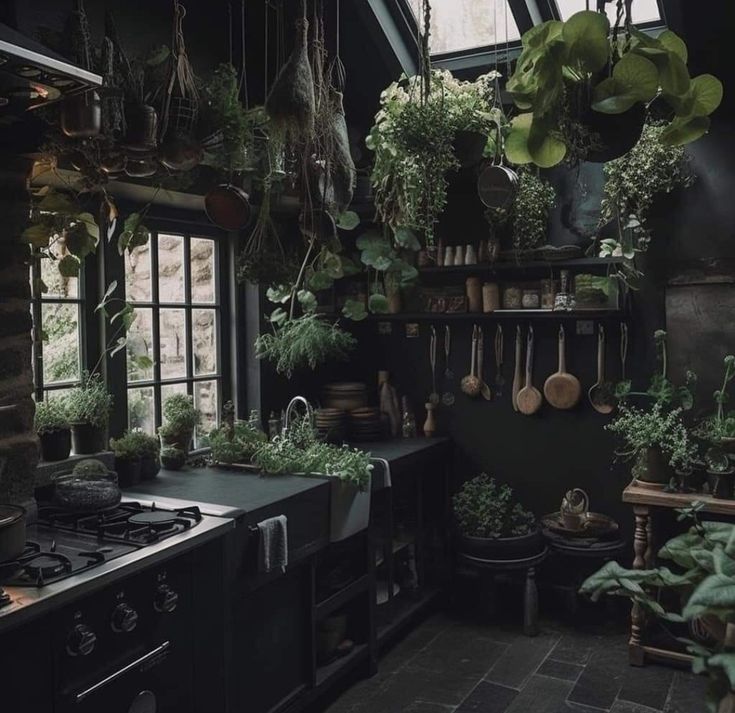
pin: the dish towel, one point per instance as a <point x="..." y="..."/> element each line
<point x="273" y="546"/>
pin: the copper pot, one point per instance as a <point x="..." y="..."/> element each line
<point x="228" y="207"/>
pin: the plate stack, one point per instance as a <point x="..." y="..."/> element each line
<point x="365" y="424"/>
<point x="331" y="424"/>
<point x="344" y="395"/>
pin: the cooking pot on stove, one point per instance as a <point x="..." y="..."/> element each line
<point x="12" y="532"/>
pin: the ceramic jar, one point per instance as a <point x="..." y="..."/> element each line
<point x="470" y="255"/>
<point x="474" y="294"/>
<point x="512" y="297"/>
<point x="459" y="255"/>
<point x="531" y="299"/>
<point x="490" y="297"/>
<point x="448" y="256"/>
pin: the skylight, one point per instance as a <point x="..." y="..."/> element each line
<point x="643" y="10"/>
<point x="458" y="25"/>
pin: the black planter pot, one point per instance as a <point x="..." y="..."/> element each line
<point x="721" y="484"/>
<point x="56" y="444"/>
<point x="87" y="439"/>
<point x="618" y="133"/>
<point x="176" y="462"/>
<point x="149" y="467"/>
<point x="469" y="147"/>
<point x="128" y="471"/>
<point x="502" y="548"/>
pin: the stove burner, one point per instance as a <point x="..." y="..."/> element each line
<point x="154" y="518"/>
<point x="46" y="566"/>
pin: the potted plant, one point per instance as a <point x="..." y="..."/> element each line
<point x="583" y="90"/>
<point x="655" y="439"/>
<point x="88" y="407"/>
<point x="173" y="458"/>
<point x="490" y="525"/>
<point x="699" y="576"/>
<point x="54" y="431"/>
<point x="180" y="418"/>
<point x="127" y="459"/>
<point x="148" y="448"/>
<point x="234" y="443"/>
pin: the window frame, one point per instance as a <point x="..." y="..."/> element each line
<point x="188" y="229"/>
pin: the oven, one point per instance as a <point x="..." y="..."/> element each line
<point x="129" y="648"/>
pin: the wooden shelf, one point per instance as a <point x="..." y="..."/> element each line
<point x="325" y="674"/>
<point x="586" y="264"/>
<point x="340" y="598"/>
<point x="497" y="314"/>
<point x="641" y="495"/>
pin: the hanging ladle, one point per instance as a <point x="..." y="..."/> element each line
<point x="485" y="391"/>
<point x="600" y="394"/>
<point x="434" y="395"/>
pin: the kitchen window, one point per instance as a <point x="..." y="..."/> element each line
<point x="57" y="308"/>
<point x="175" y="343"/>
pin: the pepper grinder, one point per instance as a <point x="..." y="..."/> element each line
<point x="430" y="423"/>
<point x="459" y="255"/>
<point x="448" y="256"/>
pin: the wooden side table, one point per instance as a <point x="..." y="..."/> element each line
<point x="527" y="566"/>
<point x="646" y="501"/>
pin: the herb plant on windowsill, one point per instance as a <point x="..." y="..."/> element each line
<point x="180" y="418"/>
<point x="52" y="426"/>
<point x="89" y="406"/>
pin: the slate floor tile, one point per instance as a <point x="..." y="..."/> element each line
<point x="627" y="707"/>
<point x="560" y="669"/>
<point x="412" y="685"/>
<point x="521" y="659"/>
<point x="424" y="707"/>
<point x="647" y="686"/>
<point x="488" y="698"/>
<point x="574" y="650"/>
<point x="466" y="655"/>
<point x="687" y="694"/>
<point x="541" y="695"/>
<point x="596" y="688"/>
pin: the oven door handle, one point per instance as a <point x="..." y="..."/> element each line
<point x="158" y="651"/>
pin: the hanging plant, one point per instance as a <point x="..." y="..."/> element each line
<point x="632" y="184"/>
<point x="413" y="141"/>
<point x="583" y="90"/>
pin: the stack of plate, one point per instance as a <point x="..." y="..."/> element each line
<point x="331" y="424"/>
<point x="365" y="424"/>
<point x="344" y="395"/>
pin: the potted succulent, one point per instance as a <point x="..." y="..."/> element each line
<point x="490" y="525"/>
<point x="583" y="90"/>
<point x="88" y="407"/>
<point x="173" y="458"/>
<point x="54" y="431"/>
<point x="699" y="574"/>
<point x="127" y="459"/>
<point x="180" y="418"/>
<point x="656" y="439"/>
<point x="149" y="450"/>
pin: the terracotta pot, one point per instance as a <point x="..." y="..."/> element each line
<point x="228" y="207"/>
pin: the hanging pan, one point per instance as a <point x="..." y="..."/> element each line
<point x="497" y="184"/>
<point x="228" y="206"/>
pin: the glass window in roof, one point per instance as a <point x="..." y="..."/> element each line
<point x="643" y="10"/>
<point x="458" y="25"/>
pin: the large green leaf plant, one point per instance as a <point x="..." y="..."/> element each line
<point x="696" y="585"/>
<point x="568" y="69"/>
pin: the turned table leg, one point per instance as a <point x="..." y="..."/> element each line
<point x="643" y="551"/>
<point x="530" y="609"/>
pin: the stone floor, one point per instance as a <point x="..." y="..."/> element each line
<point x="450" y="666"/>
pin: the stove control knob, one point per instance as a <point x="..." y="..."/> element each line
<point x="166" y="600"/>
<point x="124" y="618"/>
<point x="80" y="641"/>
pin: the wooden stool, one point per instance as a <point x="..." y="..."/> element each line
<point x="527" y="565"/>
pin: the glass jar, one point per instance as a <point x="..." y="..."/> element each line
<point x="548" y="292"/>
<point x="512" y="297"/>
<point x="531" y="299"/>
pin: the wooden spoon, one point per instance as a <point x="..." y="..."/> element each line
<point x="484" y="388"/>
<point x="562" y="390"/>
<point x="600" y="393"/>
<point x="518" y="372"/>
<point x="471" y="384"/>
<point x="529" y="398"/>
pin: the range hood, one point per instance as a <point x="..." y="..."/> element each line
<point x="32" y="75"/>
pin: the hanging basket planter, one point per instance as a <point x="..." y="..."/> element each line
<point x="141" y="122"/>
<point x="469" y="147"/>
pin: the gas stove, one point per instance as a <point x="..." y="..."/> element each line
<point x="65" y="550"/>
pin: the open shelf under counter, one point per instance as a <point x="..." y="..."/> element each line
<point x="596" y="265"/>
<point x="326" y="673"/>
<point x="394" y="616"/>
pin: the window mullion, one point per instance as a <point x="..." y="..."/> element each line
<point x="156" y="331"/>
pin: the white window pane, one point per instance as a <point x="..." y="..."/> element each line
<point x="138" y="274"/>
<point x="466" y="24"/>
<point x="60" y="328"/>
<point x="139" y="346"/>
<point x="204" y="338"/>
<point x="141" y="410"/>
<point x="205" y="399"/>
<point x="58" y="286"/>
<point x="170" y="268"/>
<point x="202" y="270"/>
<point x="643" y="10"/>
<point x="172" y="331"/>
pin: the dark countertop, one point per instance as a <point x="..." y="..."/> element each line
<point x="236" y="493"/>
<point x="402" y="448"/>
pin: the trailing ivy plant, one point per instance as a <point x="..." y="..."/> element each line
<point x="700" y="576"/>
<point x="632" y="183"/>
<point x="568" y="72"/>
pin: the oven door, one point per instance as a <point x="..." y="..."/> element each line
<point x="154" y="682"/>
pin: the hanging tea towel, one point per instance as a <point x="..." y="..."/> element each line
<point x="273" y="547"/>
